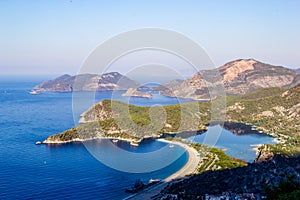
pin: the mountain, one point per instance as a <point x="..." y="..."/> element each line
<point x="238" y="77"/>
<point x="88" y="82"/>
<point x="298" y="70"/>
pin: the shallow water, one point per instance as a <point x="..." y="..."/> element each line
<point x="238" y="146"/>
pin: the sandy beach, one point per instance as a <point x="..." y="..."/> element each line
<point x="191" y="164"/>
<point x="187" y="169"/>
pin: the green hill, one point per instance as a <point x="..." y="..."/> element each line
<point x="272" y="110"/>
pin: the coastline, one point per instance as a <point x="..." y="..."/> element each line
<point x="256" y="148"/>
<point x="189" y="168"/>
<point x="88" y="139"/>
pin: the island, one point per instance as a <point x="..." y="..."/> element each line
<point x="88" y="82"/>
<point x="132" y="92"/>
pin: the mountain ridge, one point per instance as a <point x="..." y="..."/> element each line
<point x="88" y="82"/>
<point x="238" y="77"/>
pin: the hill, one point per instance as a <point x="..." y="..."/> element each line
<point x="88" y="82"/>
<point x="275" y="111"/>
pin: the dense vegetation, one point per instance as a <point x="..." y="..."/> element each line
<point x="117" y="119"/>
<point x="272" y="110"/>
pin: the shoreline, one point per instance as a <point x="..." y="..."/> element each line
<point x="256" y="148"/>
<point x="89" y="139"/>
<point x="190" y="167"/>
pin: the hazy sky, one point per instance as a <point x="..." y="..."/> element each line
<point x="55" y="36"/>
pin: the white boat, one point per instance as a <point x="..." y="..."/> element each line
<point x="133" y="143"/>
<point x="115" y="140"/>
<point x="35" y="92"/>
<point x="171" y="145"/>
<point x="154" y="181"/>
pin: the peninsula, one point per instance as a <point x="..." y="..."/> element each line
<point x="132" y="92"/>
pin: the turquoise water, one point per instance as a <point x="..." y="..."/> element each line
<point x="238" y="146"/>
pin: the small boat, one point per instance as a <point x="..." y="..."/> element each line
<point x="35" y="92"/>
<point x="152" y="181"/>
<point x="171" y="145"/>
<point x="133" y="143"/>
<point x="115" y="140"/>
<point x="38" y="143"/>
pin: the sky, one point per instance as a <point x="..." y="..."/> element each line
<point x="56" y="36"/>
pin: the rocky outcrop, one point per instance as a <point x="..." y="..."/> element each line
<point x="238" y="77"/>
<point x="232" y="70"/>
<point x="99" y="111"/>
<point x="254" y="178"/>
<point x="88" y="82"/>
<point x="264" y="154"/>
<point x="131" y="92"/>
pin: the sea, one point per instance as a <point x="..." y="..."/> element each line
<point x="71" y="171"/>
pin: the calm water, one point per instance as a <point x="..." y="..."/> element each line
<point x="238" y="146"/>
<point x="29" y="171"/>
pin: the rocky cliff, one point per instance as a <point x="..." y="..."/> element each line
<point x="88" y="82"/>
<point x="238" y="77"/>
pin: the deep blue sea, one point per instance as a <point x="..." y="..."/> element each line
<point x="29" y="171"/>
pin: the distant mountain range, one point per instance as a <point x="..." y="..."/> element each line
<point x="238" y="77"/>
<point x="88" y="82"/>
